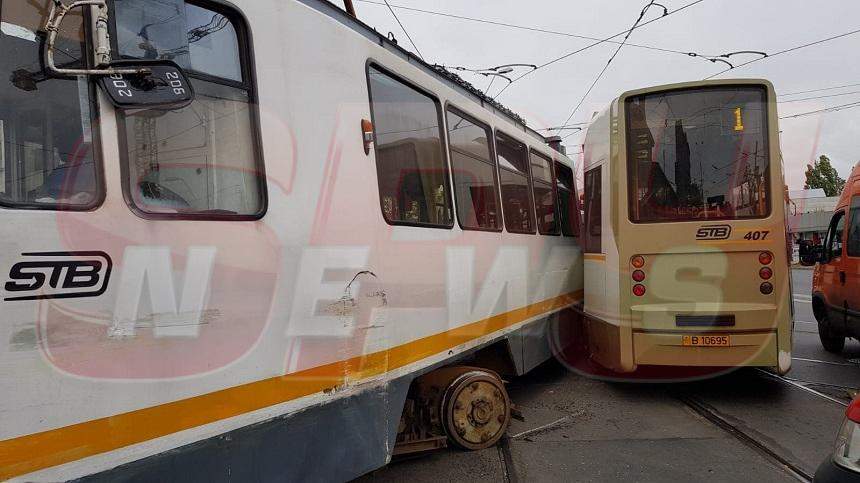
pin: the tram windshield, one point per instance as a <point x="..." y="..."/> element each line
<point x="698" y="154"/>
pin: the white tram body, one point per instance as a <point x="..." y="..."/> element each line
<point x="236" y="289"/>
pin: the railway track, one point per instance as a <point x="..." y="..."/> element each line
<point x="713" y="415"/>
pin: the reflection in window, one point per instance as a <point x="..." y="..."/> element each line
<point x="196" y="38"/>
<point x="200" y="160"/>
<point x="46" y="152"/>
<point x="544" y="194"/>
<point x="412" y="172"/>
<point x="698" y="154"/>
<point x="475" y="186"/>
<point x="567" y="205"/>
<point x="514" y="178"/>
<point x="593" y="211"/>
<point x="854" y="229"/>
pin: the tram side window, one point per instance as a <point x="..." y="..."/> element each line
<point x="543" y="188"/>
<point x="514" y="178"/>
<point x="476" y="186"/>
<point x="47" y="159"/>
<point x="200" y="161"/>
<point x="854" y="229"/>
<point x="567" y="205"/>
<point x="593" y="200"/>
<point x="410" y="161"/>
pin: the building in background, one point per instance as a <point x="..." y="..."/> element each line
<point x="809" y="214"/>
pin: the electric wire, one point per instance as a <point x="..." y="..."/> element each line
<point x="840" y="107"/>
<point x="611" y="58"/>
<point x="818" y="90"/>
<point x="818" y="97"/>
<point x="402" y="27"/>
<point x="535" y="29"/>
<point x="605" y="40"/>
<point x="785" y="51"/>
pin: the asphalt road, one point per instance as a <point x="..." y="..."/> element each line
<point x="746" y="426"/>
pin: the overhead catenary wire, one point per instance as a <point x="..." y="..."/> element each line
<point x="402" y="27"/>
<point x="818" y="90"/>
<point x="785" y="51"/>
<point x="611" y="58"/>
<point x="599" y="42"/>
<point x="534" y="29"/>
<point x="818" y="97"/>
<point x="840" y="107"/>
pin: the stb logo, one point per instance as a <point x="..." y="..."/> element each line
<point x="59" y="275"/>
<point x="714" y="232"/>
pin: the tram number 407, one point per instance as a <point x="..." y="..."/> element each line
<point x="756" y="235"/>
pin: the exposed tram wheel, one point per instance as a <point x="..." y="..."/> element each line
<point x="476" y="410"/>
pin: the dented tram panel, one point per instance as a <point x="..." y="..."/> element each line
<point x="218" y="283"/>
<point x="701" y="275"/>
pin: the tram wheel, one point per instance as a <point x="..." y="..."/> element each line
<point x="476" y="410"/>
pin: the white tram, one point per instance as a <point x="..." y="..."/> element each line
<point x="245" y="283"/>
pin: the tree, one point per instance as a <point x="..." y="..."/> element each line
<point x="823" y="175"/>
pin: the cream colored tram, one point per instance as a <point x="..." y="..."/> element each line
<point x="685" y="241"/>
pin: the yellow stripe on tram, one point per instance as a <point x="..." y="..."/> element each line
<point x="26" y="454"/>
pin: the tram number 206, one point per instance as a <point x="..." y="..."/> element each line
<point x="757" y="235"/>
<point x="122" y="87"/>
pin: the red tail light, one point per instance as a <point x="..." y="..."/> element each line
<point x="765" y="258"/>
<point x="765" y="273"/>
<point x="638" y="275"/>
<point x="638" y="290"/>
<point x="853" y="412"/>
<point x="638" y="261"/>
<point x="766" y="288"/>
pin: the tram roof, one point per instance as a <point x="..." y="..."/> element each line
<point x="445" y="76"/>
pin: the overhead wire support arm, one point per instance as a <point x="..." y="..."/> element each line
<point x="650" y="4"/>
<point x="666" y="13"/>
<point x="784" y="51"/>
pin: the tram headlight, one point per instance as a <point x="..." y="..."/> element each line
<point x="847" y="451"/>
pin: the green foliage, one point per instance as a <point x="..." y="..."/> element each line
<point x="823" y="175"/>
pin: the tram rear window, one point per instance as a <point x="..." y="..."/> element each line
<point x="698" y="154"/>
<point x="46" y="145"/>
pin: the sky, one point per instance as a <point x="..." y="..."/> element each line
<point x="547" y="96"/>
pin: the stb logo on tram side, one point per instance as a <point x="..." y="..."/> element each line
<point x="59" y="275"/>
<point x="714" y="232"/>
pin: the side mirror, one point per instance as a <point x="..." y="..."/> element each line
<point x="810" y="255"/>
<point x="163" y="86"/>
